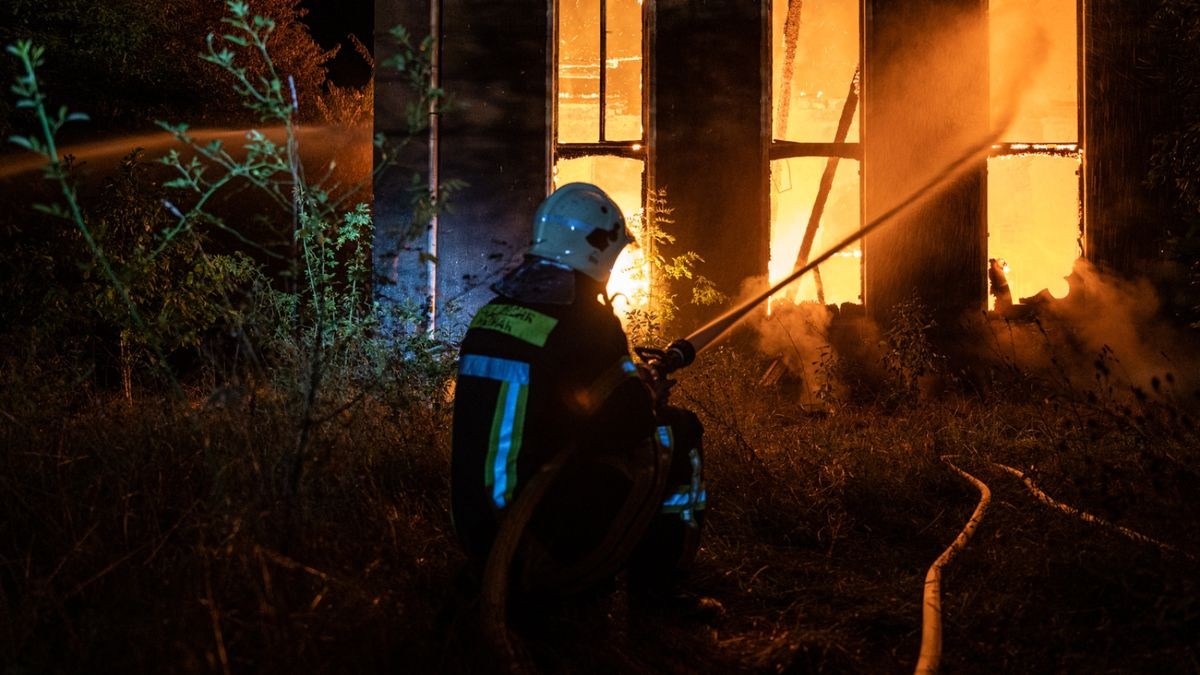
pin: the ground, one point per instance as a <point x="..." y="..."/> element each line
<point x="153" y="535"/>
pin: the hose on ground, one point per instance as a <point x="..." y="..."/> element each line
<point x="494" y="593"/>
<point x="930" y="657"/>
<point x="1085" y="516"/>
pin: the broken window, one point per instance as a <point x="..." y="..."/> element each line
<point x="1034" y="212"/>
<point x="815" y="183"/>
<point x="600" y="117"/>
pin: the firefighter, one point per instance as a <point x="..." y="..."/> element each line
<point x="998" y="281"/>
<point x="546" y="387"/>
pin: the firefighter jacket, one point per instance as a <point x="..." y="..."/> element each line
<point x="536" y="380"/>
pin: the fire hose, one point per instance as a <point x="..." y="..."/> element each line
<point x="930" y="657"/>
<point x="1087" y="517"/>
<point x="646" y="486"/>
<point x="681" y="353"/>
<point x="929" y="660"/>
<point x="661" y="363"/>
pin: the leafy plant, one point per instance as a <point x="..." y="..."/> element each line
<point x="907" y="352"/>
<point x="654" y="307"/>
<point x="311" y="327"/>
<point x="44" y="142"/>
<point x="324" y="321"/>
<point x="1175" y="164"/>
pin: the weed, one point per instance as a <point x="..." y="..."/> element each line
<point x="908" y="355"/>
<point x="653" y="307"/>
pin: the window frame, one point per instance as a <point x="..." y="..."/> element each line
<point x="779" y="149"/>
<point x="639" y="149"/>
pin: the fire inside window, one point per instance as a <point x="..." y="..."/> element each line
<point x="1034" y="213"/>
<point x="815" y="184"/>
<point x="600" y="117"/>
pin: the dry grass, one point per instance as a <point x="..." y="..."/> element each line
<point x="160" y="537"/>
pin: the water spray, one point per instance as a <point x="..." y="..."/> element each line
<point x="681" y="353"/>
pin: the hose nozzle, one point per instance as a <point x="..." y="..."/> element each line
<point x="678" y="354"/>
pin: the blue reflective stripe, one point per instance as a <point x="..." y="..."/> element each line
<point x="689" y="498"/>
<point x="628" y="367"/>
<point x="508" y="423"/>
<point x="684" y="498"/>
<point x="504" y="446"/>
<point x="664" y="436"/>
<point x="494" y="368"/>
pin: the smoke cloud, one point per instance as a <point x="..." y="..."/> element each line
<point x="1108" y="337"/>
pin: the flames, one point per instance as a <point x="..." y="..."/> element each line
<point x="1034" y="218"/>
<point x="629" y="285"/>
<point x="1033" y="196"/>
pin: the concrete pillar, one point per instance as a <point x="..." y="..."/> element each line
<point x="400" y="276"/>
<point x="711" y="121"/>
<point x="493" y="139"/>
<point x="925" y="101"/>
<point x="1123" y="218"/>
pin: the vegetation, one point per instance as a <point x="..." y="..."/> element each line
<point x="161" y="527"/>
<point x="1176" y="161"/>
<point x="655" y="308"/>
<point x="209" y="461"/>
<point x="128" y="63"/>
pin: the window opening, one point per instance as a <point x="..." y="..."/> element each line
<point x="600" y="121"/>
<point x="1034" y="207"/>
<point x="815" y="191"/>
<point x="1035" y="217"/>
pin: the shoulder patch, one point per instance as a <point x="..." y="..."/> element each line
<point x="522" y="323"/>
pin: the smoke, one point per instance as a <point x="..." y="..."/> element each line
<point x="929" y="109"/>
<point x="798" y="335"/>
<point x="350" y="147"/>
<point x="1106" y="337"/>
<point x="941" y="89"/>
<point x="937" y="96"/>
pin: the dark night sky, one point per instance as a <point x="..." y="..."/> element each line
<point x="331" y="21"/>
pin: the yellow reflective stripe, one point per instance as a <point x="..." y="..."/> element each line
<point x="508" y="420"/>
<point x="522" y="323"/>
<point x="504" y="442"/>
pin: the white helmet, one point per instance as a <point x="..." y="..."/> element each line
<point x="581" y="227"/>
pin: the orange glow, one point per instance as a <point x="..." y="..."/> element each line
<point x="582" y="101"/>
<point x="814" y="56"/>
<point x="1033" y="221"/>
<point x="579" y="67"/>
<point x="794" y="185"/>
<point x="810" y="87"/>
<point x="621" y="178"/>
<point x="629" y="285"/>
<point x="623" y="69"/>
<point x="1049" y="110"/>
<point x="578" y="71"/>
<point x="1033" y="198"/>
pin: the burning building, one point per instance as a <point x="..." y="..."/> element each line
<point x="776" y="127"/>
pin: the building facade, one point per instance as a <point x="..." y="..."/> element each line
<point x="773" y="128"/>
